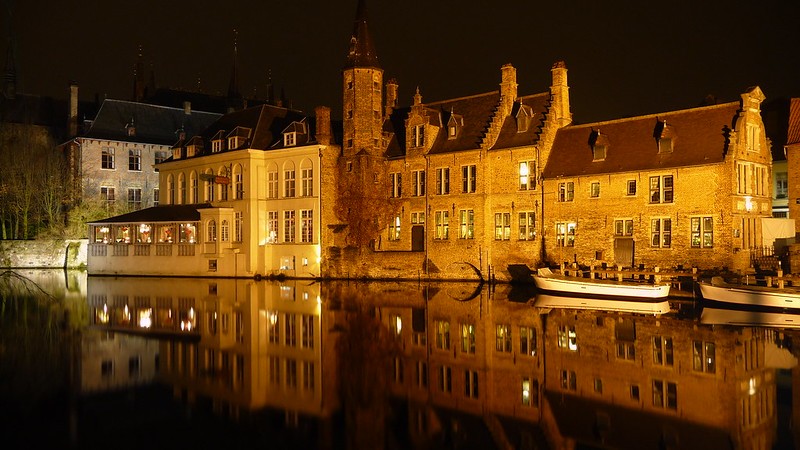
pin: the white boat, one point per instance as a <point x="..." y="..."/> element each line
<point x="759" y="296"/>
<point x="655" y="306"/>
<point x="744" y="317"/>
<point x="547" y="281"/>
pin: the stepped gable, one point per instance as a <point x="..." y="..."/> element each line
<point x="509" y="136"/>
<point x="476" y="111"/>
<point x="266" y="124"/>
<point x="154" y="124"/>
<point x="700" y="137"/>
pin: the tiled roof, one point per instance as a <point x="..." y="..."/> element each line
<point x="700" y="138"/>
<point x="154" y="124"/>
<point x="476" y="111"/>
<point x="166" y="213"/>
<point x="536" y="105"/>
<point x="793" y="135"/>
<point x="266" y="122"/>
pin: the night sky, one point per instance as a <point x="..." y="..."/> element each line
<point x="624" y="58"/>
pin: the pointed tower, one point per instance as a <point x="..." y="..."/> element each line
<point x="233" y="85"/>
<point x="138" y="78"/>
<point x="363" y="91"/>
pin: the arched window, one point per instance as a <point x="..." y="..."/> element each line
<point x="209" y="185"/>
<point x="170" y="190"/>
<point x="272" y="180"/>
<point x="288" y="180"/>
<point x="238" y="182"/>
<point x="225" y="231"/>
<point x="223" y="187"/>
<point x="211" y="235"/>
<point x="307" y="178"/>
<point x="194" y="196"/>
<point x="182" y="189"/>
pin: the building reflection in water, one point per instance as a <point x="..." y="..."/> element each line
<point x="438" y="365"/>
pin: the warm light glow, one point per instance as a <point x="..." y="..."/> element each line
<point x="398" y="324"/>
<point x="126" y="314"/>
<point x="146" y="318"/>
<point x="752" y="390"/>
<point x="102" y="316"/>
<point x="273" y="317"/>
<point x="748" y="203"/>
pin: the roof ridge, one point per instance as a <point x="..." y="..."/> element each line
<point x="467" y="97"/>
<point x="152" y="106"/>
<point x="656" y="115"/>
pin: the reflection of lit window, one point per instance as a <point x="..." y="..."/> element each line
<point x="102" y="316"/>
<point x="146" y="318"/>
<point x="526" y="391"/>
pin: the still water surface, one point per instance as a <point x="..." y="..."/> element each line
<point x="90" y="362"/>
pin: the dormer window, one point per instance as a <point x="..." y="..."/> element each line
<point x="451" y="131"/>
<point x="218" y="142"/>
<point x="418" y="136"/>
<point x="194" y="147"/>
<point x="523" y="118"/>
<point x="665" y="136"/>
<point x="238" y="137"/>
<point x="234" y="142"/>
<point x="665" y="145"/>
<point x="453" y="125"/>
<point x="130" y="129"/>
<point x="176" y="153"/>
<point x="599" y="144"/>
<point x="289" y="139"/>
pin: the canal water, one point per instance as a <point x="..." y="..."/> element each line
<point x="99" y="362"/>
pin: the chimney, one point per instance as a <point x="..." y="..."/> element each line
<point x="508" y="88"/>
<point x="559" y="94"/>
<point x="72" y="120"/>
<point x="323" y="114"/>
<point x="187" y="108"/>
<point x="391" y="97"/>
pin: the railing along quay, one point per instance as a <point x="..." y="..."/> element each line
<point x="676" y="277"/>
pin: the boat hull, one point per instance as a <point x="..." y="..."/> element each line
<point x="582" y="287"/>
<point x="766" y="298"/>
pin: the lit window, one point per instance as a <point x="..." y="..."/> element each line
<point x="661" y="189"/>
<point x="661" y="233"/>
<point x="502" y="226"/>
<point x="565" y="234"/>
<point x="467" y="224"/>
<point x="594" y="189"/>
<point x="468" y="338"/>
<point x="566" y="191"/>
<point x="442" y="225"/>
<point x="394" y="229"/>
<point x="527" y="175"/>
<point x="702" y="232"/>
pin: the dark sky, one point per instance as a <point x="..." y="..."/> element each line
<point x="624" y="58"/>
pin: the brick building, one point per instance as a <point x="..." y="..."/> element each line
<point x="683" y="187"/>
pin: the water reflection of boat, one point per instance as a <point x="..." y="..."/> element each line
<point x="720" y="291"/>
<point x="654" y="306"/>
<point x="749" y="317"/>
<point x="546" y="280"/>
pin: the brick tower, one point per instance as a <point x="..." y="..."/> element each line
<point x="362" y="80"/>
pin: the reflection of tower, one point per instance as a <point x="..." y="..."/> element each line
<point x="362" y="90"/>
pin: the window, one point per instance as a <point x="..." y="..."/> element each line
<point x="567" y="338"/>
<point x="160" y="157"/>
<point x="662" y="351"/>
<point x="225" y="231"/>
<point x="418" y="136"/>
<point x="216" y="145"/>
<point x="288" y="183"/>
<point x="272" y="226"/>
<point x="273" y="327"/>
<point x="272" y="184"/>
<point x="308" y="376"/>
<point x="442" y="330"/>
<point x="753" y="138"/>
<point x="625" y="336"/>
<point x="623" y="227"/>
<point x="467" y="338"/>
<point x="443" y="181"/>
<point x="631" y="188"/>
<point x="527" y="226"/>
<point x="702" y="232"/>
<point x="306" y="225"/>
<point x="502" y="338"/>
<point x="502" y="226"/>
<point x="307" y="181"/>
<point x="290" y="139"/>
<point x="665" y="394"/>
<point x="237" y="226"/>
<point x="467" y="224"/>
<point x="594" y="189"/>
<point x="566" y="191"/>
<point x="665" y="145"/>
<point x="781" y="184"/>
<point x="752" y="178"/>
<point x="530" y="392"/>
<point x="569" y="380"/>
<point x="135" y="160"/>
<point x="704" y="357"/>
<point x="107" y="195"/>
<point x="527" y="341"/>
<point x="194" y="194"/>
<point x="209" y="183"/>
<point x="288" y="226"/>
<point x="442" y="225"/>
<point x="451" y="132"/>
<point x="135" y="198"/>
<point x="661" y="233"/>
<point x="634" y="390"/>
<point x="223" y="187"/>
<point x="468" y="179"/>
<point x="182" y="189"/>
<point x="421" y="375"/>
<point x="238" y="182"/>
<point x="445" y="379"/>
<point x="527" y="175"/>
<point x="307" y="330"/>
<point x="418" y="179"/>
<point x="598" y="152"/>
<point x="396" y="181"/>
<point x="171" y="190"/>
<point x="107" y="158"/>
<point x="394" y="229"/>
<point x="661" y="189"/>
<point x="211" y="235"/>
<point x="290" y="330"/>
<point x="471" y="383"/>
<point x="417" y="218"/>
<point x="598" y="386"/>
<point x="155" y="197"/>
<point x="565" y="234"/>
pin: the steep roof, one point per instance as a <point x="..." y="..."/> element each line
<point x="536" y="106"/>
<point x="164" y="213"/>
<point x="700" y="137"/>
<point x="154" y="124"/>
<point x="793" y="134"/>
<point x="266" y="122"/>
<point x="476" y="112"/>
<point x="362" y="49"/>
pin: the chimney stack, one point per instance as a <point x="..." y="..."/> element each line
<point x="72" y="120"/>
<point x="187" y="108"/>
<point x="559" y="94"/>
<point x="508" y="88"/>
<point x="323" y="114"/>
<point x="391" y="97"/>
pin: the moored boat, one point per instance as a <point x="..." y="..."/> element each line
<point x="655" y="306"/>
<point x="759" y="296"/>
<point x="546" y="280"/>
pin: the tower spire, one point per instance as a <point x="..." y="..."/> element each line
<point x="233" y="86"/>
<point x="362" y="50"/>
